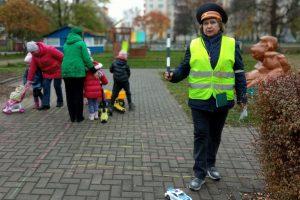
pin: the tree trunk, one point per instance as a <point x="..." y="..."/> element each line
<point x="60" y="23"/>
<point x="273" y="19"/>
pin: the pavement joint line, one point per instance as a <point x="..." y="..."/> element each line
<point x="75" y="163"/>
<point x="48" y="112"/>
<point x="90" y="137"/>
<point x="95" y="165"/>
<point x="119" y="138"/>
<point x="149" y="170"/>
<point x="103" y="155"/>
<point x="97" y="145"/>
<point x="183" y="148"/>
<point x="142" y="146"/>
<point x="90" y="155"/>
<point x="124" y="146"/>
<point x="39" y="159"/>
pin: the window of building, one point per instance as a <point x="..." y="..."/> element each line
<point x="89" y="41"/>
<point x="98" y="41"/>
<point x="52" y="41"/>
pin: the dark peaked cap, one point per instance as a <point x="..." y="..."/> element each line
<point x="211" y="7"/>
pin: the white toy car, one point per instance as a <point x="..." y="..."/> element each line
<point x="176" y="194"/>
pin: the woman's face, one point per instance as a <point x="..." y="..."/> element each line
<point x="210" y="27"/>
<point x="35" y="53"/>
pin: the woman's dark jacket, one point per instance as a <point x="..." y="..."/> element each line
<point x="213" y="45"/>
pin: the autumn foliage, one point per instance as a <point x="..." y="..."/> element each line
<point x="22" y="19"/>
<point x="278" y="107"/>
<point x="157" y="23"/>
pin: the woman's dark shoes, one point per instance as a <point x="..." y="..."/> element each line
<point x="44" y="107"/>
<point x="196" y="184"/>
<point x="80" y="119"/>
<point x="60" y="104"/>
<point x="213" y="173"/>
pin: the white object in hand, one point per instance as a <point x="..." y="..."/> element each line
<point x="244" y="113"/>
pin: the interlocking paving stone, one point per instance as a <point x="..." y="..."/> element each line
<point x="136" y="155"/>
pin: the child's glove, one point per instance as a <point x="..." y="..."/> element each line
<point x="98" y="66"/>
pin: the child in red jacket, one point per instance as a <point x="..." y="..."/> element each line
<point x="93" y="89"/>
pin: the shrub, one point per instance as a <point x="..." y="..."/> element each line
<point x="278" y="107"/>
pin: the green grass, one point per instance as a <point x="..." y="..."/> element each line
<point x="11" y="56"/>
<point x="16" y="69"/>
<point x="153" y="59"/>
<point x="294" y="60"/>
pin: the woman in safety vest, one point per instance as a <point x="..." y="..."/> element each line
<point x="215" y="71"/>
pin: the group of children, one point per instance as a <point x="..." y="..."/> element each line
<point x="93" y="90"/>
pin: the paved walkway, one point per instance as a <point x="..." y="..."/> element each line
<point x="136" y="155"/>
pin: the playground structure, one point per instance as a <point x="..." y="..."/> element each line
<point x="123" y="38"/>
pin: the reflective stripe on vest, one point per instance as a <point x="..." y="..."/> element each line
<point x="205" y="81"/>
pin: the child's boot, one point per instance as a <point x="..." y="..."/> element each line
<point x="92" y="116"/>
<point x="131" y="106"/>
<point x="110" y="109"/>
<point x="36" y="103"/>
<point x="96" y="115"/>
<point x="104" y="115"/>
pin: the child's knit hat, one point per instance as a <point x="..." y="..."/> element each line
<point x="32" y="46"/>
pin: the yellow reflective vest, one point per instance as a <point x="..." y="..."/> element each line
<point x="205" y="81"/>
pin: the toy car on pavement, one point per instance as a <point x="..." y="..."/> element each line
<point x="176" y="194"/>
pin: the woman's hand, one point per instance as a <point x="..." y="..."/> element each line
<point x="28" y="84"/>
<point x="243" y="105"/>
<point x="168" y="75"/>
